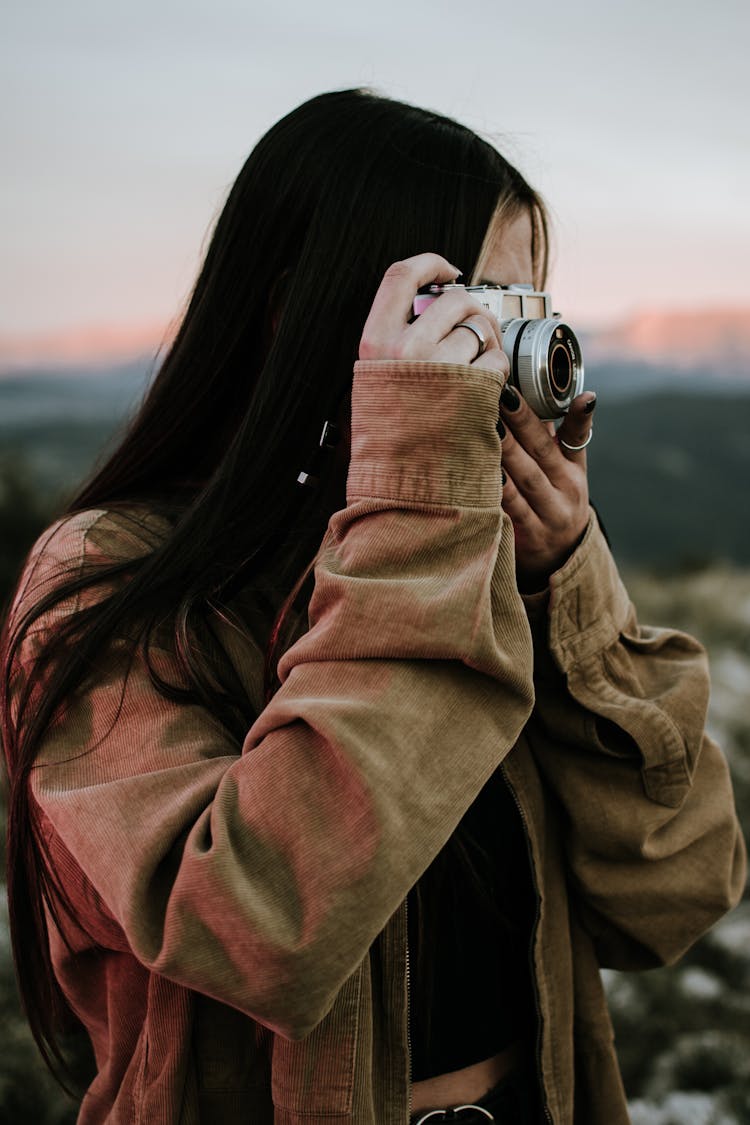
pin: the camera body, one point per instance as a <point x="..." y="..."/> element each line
<point x="545" y="358"/>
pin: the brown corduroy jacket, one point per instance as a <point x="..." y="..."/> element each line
<point x="240" y="947"/>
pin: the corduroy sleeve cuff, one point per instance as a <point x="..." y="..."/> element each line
<point x="425" y="433"/>
<point x="588" y="603"/>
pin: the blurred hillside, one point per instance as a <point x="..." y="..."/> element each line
<point x="669" y="447"/>
<point x="669" y="468"/>
<point x="669" y="474"/>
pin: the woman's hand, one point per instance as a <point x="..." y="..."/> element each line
<point x="391" y="333"/>
<point x="546" y="491"/>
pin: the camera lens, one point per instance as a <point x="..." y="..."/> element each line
<point x="560" y="370"/>
<point x="545" y="363"/>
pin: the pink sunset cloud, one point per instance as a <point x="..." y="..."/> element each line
<point x="83" y="345"/>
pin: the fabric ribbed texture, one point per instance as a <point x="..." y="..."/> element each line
<point x="425" y="433"/>
<point x="272" y="876"/>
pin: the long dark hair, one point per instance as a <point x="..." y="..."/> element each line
<point x="337" y="190"/>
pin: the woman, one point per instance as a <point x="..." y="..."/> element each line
<point x="313" y="814"/>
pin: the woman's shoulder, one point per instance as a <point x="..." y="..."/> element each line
<point x="116" y="533"/>
<point x="81" y="541"/>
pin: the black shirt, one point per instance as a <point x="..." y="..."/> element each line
<point x="470" y="919"/>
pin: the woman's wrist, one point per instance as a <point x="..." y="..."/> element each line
<point x="531" y="581"/>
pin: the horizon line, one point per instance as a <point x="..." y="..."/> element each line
<point x="109" y="343"/>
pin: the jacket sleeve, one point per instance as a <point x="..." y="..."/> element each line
<point x="261" y="874"/>
<point x="653" y="845"/>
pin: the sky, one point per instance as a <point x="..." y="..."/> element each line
<point x="123" y="127"/>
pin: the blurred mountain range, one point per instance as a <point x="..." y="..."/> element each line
<point x="716" y="341"/>
<point x="669" y="463"/>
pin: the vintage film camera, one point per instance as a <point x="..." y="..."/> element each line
<point x="546" y="364"/>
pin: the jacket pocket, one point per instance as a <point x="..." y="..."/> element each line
<point x="315" y="1075"/>
<point x="636" y="685"/>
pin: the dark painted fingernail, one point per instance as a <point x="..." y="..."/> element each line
<point x="503" y="476"/>
<point x="589" y="407"/>
<point x="500" y="429"/>
<point x="509" y="398"/>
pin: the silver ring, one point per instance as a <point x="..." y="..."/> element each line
<point x="477" y="332"/>
<point x="577" y="448"/>
<point x="440" y="1113"/>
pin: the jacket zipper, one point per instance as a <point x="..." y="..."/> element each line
<point x="534" y="928"/>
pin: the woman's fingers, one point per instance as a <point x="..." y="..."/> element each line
<point x="577" y="427"/>
<point x="532" y="455"/>
<point x="469" y="337"/>
<point x="545" y="493"/>
<point x="517" y="506"/>
<point x="392" y="305"/>
<point x="454" y="328"/>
